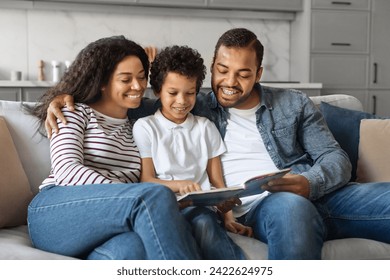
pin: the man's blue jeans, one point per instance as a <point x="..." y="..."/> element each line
<point x="118" y="221"/>
<point x="295" y="228"/>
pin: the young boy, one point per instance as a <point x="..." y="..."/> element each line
<point x="182" y="151"/>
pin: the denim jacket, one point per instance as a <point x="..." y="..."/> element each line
<point x="293" y="131"/>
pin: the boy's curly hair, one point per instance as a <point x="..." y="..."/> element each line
<point x="182" y="60"/>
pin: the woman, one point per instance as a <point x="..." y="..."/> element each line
<point x="91" y="205"/>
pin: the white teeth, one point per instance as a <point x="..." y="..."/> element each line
<point x="227" y="92"/>
<point x="180" y="109"/>
<point x="133" y="96"/>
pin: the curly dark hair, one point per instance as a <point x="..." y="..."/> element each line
<point x="240" y="38"/>
<point x="182" y="60"/>
<point x="90" y="71"/>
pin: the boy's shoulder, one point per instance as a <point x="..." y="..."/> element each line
<point x="201" y="119"/>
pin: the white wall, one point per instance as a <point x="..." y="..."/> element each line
<point x="30" y="35"/>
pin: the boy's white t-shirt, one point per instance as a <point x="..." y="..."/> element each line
<point x="179" y="151"/>
<point x="246" y="155"/>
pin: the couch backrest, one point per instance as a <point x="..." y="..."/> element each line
<point x="33" y="148"/>
<point x="339" y="100"/>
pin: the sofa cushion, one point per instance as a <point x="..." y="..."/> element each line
<point x="345" y="127"/>
<point x="374" y="151"/>
<point x="15" y="244"/>
<point x="15" y="193"/>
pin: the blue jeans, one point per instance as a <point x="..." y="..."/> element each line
<point x="211" y="236"/>
<point x="357" y="210"/>
<point x="118" y="221"/>
<point x="295" y="228"/>
<point x="289" y="224"/>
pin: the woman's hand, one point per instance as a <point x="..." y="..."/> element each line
<point x="54" y="112"/>
<point x="151" y="51"/>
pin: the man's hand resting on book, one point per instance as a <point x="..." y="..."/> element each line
<point x="294" y="183"/>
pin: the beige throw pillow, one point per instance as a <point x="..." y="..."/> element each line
<point x="15" y="193"/>
<point x="374" y="151"/>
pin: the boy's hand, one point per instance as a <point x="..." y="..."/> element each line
<point x="186" y="186"/>
<point x="238" y="228"/>
<point x="233" y="226"/>
<point x="54" y="112"/>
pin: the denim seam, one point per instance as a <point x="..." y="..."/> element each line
<point x="153" y="228"/>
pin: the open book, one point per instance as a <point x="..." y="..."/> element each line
<point x="251" y="186"/>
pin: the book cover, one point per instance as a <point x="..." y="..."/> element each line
<point x="250" y="187"/>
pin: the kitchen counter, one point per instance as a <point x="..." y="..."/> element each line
<point x="6" y="83"/>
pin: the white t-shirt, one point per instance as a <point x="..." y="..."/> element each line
<point x="246" y="155"/>
<point x="179" y="151"/>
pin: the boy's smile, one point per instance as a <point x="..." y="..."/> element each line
<point x="178" y="96"/>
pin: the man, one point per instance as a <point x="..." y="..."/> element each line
<point x="266" y="129"/>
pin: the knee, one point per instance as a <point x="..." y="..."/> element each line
<point x="158" y="192"/>
<point x="287" y="207"/>
<point x="125" y="246"/>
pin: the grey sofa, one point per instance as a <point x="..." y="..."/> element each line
<point x="33" y="152"/>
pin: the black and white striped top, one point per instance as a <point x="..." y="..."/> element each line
<point x="93" y="149"/>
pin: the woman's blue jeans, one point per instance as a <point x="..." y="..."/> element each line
<point x="295" y="228"/>
<point x="118" y="221"/>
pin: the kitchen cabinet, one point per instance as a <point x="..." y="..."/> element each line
<point x="339" y="70"/>
<point x="350" y="36"/>
<point x="32" y="93"/>
<point x="380" y="45"/>
<point x="349" y="50"/>
<point x="252" y="5"/>
<point x="286" y="5"/>
<point x="379" y="102"/>
<point x="22" y="93"/>
<point x="94" y="1"/>
<point x="175" y="3"/>
<point x="341" y="5"/>
<point x="10" y="93"/>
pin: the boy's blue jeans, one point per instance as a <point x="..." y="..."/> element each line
<point x="211" y="235"/>
<point x="295" y="228"/>
<point x="118" y="221"/>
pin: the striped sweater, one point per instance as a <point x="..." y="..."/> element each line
<point x="93" y="149"/>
